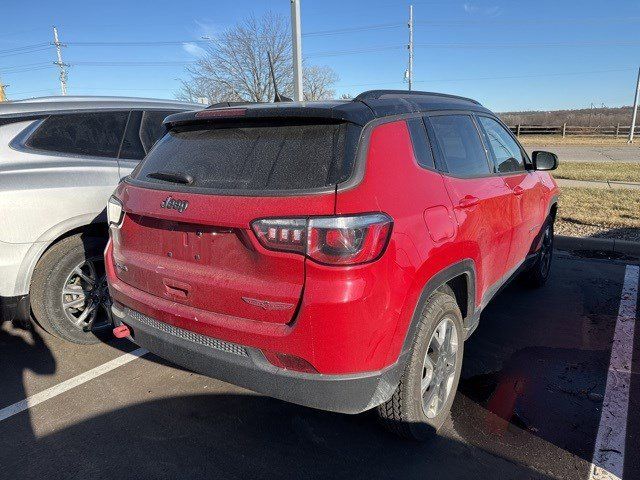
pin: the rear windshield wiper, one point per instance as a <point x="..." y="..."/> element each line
<point x="173" y="177"/>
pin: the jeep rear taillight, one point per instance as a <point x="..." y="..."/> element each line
<point x="343" y="240"/>
<point x="282" y="234"/>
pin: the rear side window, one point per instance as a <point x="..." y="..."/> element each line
<point x="255" y="158"/>
<point x="506" y="151"/>
<point x="143" y="131"/>
<point x="420" y="141"/>
<point x="90" y="134"/>
<point x="460" y="144"/>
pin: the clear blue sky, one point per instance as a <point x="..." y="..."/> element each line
<point x="571" y="54"/>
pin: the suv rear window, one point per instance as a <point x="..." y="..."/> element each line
<point x="254" y="158"/>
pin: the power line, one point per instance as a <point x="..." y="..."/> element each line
<point x="23" y="52"/>
<point x="474" y="45"/>
<point x="504" y="77"/>
<point x="335" y="53"/>
<point x="340" y="31"/>
<point x="25" y="70"/>
<point x="24" y="47"/>
<point x="133" y="63"/>
<point x="149" y="43"/>
<point x="26" y="65"/>
<point x="527" y="45"/>
<point x="529" y="21"/>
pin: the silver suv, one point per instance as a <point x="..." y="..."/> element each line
<point x="60" y="160"/>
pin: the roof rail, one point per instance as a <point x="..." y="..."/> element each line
<point x="377" y="94"/>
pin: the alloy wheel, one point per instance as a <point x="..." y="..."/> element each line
<point x="85" y="296"/>
<point x="439" y="367"/>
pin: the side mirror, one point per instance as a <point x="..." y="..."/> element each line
<point x="544" y="160"/>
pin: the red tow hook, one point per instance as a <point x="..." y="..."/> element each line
<point x="121" y="332"/>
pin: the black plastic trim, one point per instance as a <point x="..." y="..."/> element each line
<point x="463" y="267"/>
<point x="351" y="394"/>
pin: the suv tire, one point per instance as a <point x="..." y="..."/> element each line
<point x="538" y="274"/>
<point x="56" y="271"/>
<point x="405" y="413"/>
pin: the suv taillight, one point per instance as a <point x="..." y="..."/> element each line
<point x="344" y="240"/>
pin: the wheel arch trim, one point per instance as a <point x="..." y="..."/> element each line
<point x="463" y="267"/>
<point x="46" y="240"/>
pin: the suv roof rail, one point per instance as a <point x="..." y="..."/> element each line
<point x="377" y="94"/>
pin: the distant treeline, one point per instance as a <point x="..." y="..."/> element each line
<point x="583" y="117"/>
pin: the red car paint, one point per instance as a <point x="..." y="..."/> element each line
<point x="204" y="270"/>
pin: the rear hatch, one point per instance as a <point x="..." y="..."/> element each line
<point x="186" y="235"/>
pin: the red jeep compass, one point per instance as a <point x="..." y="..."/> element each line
<point x="331" y="254"/>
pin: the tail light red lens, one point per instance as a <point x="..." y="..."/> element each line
<point x="282" y="234"/>
<point x="345" y="240"/>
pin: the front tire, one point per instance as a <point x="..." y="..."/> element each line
<point x="539" y="272"/>
<point x="421" y="403"/>
<point x="69" y="295"/>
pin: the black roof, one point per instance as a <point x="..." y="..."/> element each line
<point x="365" y="107"/>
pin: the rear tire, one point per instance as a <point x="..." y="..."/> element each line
<point x="421" y="403"/>
<point x="75" y="265"/>
<point x="539" y="272"/>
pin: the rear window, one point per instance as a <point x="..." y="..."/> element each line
<point x="254" y="158"/>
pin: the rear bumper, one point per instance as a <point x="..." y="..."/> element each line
<point x="14" y="308"/>
<point x="247" y="367"/>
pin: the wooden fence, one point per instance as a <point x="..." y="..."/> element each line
<point x="569" y="130"/>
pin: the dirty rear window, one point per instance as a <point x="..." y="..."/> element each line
<point x="254" y="158"/>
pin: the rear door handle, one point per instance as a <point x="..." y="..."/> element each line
<point x="518" y="190"/>
<point x="468" y="201"/>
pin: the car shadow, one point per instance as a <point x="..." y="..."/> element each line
<point x="22" y="352"/>
<point x="246" y="436"/>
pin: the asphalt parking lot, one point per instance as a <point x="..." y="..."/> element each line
<point x="529" y="404"/>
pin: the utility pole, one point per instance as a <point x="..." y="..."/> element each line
<point x="63" y="66"/>
<point x="410" y="47"/>
<point x="297" y="50"/>
<point x="3" y="95"/>
<point x="635" y="110"/>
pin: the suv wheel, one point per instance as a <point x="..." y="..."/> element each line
<point x="69" y="294"/>
<point x="538" y="274"/>
<point x="421" y="403"/>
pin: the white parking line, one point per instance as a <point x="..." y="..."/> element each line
<point x="56" y="390"/>
<point x="608" y="455"/>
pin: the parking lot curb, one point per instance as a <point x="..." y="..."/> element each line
<point x="625" y="247"/>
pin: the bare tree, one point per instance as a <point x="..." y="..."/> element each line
<point x="318" y="82"/>
<point x="235" y="66"/>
